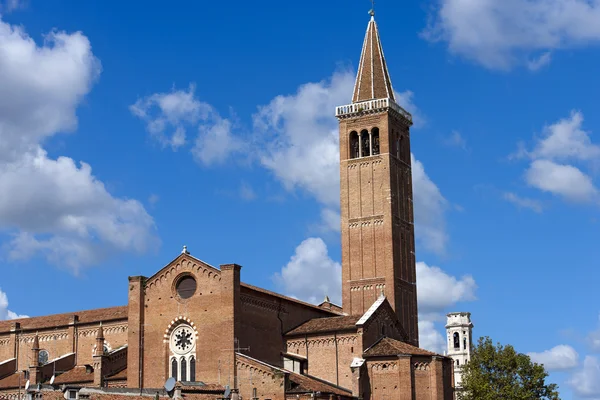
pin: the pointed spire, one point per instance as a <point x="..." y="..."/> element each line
<point x="373" y="79"/>
<point x="100" y="334"/>
<point x="36" y="342"/>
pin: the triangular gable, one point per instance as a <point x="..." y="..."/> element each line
<point x="379" y="307"/>
<point x="184" y="261"/>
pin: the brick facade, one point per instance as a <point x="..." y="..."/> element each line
<point x="203" y="327"/>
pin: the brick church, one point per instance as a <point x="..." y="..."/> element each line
<point x="221" y="338"/>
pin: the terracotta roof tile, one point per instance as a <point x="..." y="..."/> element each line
<point x="77" y="375"/>
<point x="51" y="321"/>
<point x="330" y="324"/>
<point x="207" y="387"/>
<point x="392" y="347"/>
<point x="273" y="294"/>
<point x="121" y="375"/>
<point x="305" y="383"/>
<point x="13" y="381"/>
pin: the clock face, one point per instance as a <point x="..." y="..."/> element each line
<point x="183" y="340"/>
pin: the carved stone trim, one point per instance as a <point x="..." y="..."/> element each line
<point x="263" y="304"/>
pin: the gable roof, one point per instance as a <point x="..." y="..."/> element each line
<point x="310" y="384"/>
<point x="391" y="347"/>
<point x="292" y="300"/>
<point x="322" y="325"/>
<point x="51" y="321"/>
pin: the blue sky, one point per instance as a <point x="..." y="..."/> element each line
<point x="128" y="129"/>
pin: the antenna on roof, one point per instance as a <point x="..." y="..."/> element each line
<point x="170" y="384"/>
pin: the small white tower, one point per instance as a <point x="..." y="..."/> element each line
<point x="460" y="333"/>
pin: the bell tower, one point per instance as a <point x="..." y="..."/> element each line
<point x="378" y="247"/>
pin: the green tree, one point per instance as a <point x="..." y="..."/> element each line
<point x="499" y="372"/>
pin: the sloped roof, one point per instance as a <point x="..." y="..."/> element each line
<point x="308" y="384"/>
<point x="373" y="79"/>
<point x="51" y="321"/>
<point x="13" y="381"/>
<point x="76" y="375"/>
<point x="329" y="324"/>
<point x="392" y="347"/>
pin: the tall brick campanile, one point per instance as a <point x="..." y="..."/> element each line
<point x="378" y="247"/>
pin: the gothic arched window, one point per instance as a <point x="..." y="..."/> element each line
<point x="192" y="369"/>
<point x="456" y="341"/>
<point x="174" y="369"/>
<point x="354" y="152"/>
<point x="365" y="145"/>
<point x="375" y="139"/>
<point x="183" y="353"/>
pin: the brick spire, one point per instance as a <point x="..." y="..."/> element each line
<point x="373" y="79"/>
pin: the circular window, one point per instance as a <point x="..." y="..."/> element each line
<point x="43" y="357"/>
<point x="182" y="340"/>
<point x="186" y="287"/>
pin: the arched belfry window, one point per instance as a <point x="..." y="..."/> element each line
<point x="375" y="141"/>
<point x="365" y="144"/>
<point x="182" y="344"/>
<point x="456" y="341"/>
<point x="354" y="144"/>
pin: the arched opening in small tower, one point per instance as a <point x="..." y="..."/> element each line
<point x="354" y="145"/>
<point x="464" y="343"/>
<point x="365" y="145"/>
<point x="375" y="139"/>
<point x="456" y="341"/>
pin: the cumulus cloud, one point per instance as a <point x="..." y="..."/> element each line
<point x="557" y="160"/>
<point x="561" y="357"/>
<point x="63" y="210"/>
<point x="586" y="381"/>
<point x="170" y="115"/>
<point x="311" y="274"/>
<point x="7" y="6"/>
<point x="503" y="34"/>
<point x="5" y="313"/>
<point x="438" y="291"/>
<point x="456" y="140"/>
<point x="523" y="202"/>
<point x="429" y="208"/>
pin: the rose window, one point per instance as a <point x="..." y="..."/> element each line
<point x="183" y="340"/>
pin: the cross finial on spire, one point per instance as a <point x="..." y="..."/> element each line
<point x="372" y="12"/>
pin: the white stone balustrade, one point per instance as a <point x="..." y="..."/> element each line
<point x="372" y="105"/>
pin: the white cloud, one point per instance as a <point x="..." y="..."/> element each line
<point x="539" y="62"/>
<point x="168" y="114"/>
<point x="437" y="290"/>
<point x="456" y="140"/>
<point x="430" y="337"/>
<point x="406" y="100"/>
<point x="502" y="34"/>
<point x="586" y="381"/>
<point x="7" y="6"/>
<point x="523" y="202"/>
<point x="566" y="140"/>
<point x="561" y="357"/>
<point x="563" y="180"/>
<point x="301" y="137"/>
<point x="63" y="210"/>
<point x="216" y="142"/>
<point x="5" y="313"/>
<point x="330" y="220"/>
<point x="429" y="209"/>
<point x="311" y="274"/>
<point x="246" y="192"/>
<point x="557" y="159"/>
